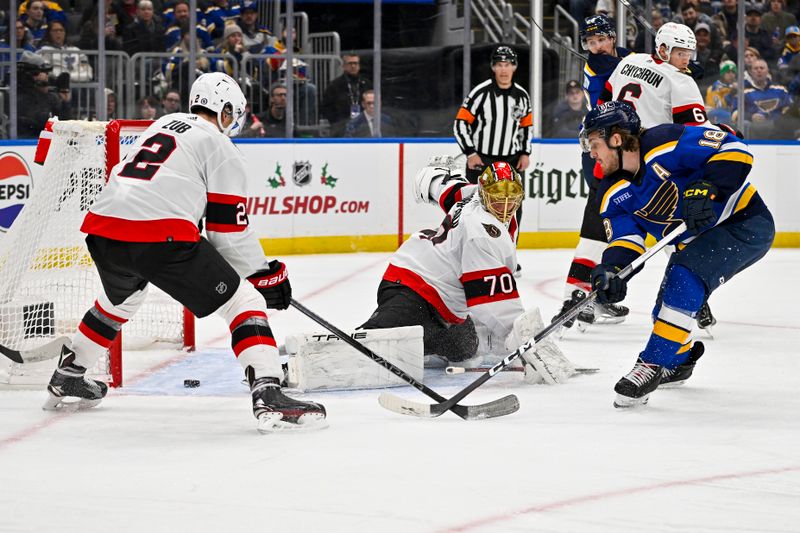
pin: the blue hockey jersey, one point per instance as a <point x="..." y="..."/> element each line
<point x="672" y="157"/>
<point x="597" y="70"/>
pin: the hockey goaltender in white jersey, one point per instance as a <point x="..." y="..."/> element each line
<point x="443" y="279"/>
<point x="657" y="86"/>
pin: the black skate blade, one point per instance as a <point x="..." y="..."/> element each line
<point x="61" y="404"/>
<point x="270" y="423"/>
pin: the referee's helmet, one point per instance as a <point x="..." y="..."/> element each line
<point x="504" y="53"/>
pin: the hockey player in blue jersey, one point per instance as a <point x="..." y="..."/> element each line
<point x="653" y="180"/>
<point x="598" y="37"/>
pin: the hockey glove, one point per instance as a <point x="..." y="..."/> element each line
<point x="697" y="208"/>
<point x="695" y="70"/>
<point x="729" y="129"/>
<point x="273" y="284"/>
<point x="610" y="287"/>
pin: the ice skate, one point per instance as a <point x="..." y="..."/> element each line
<point x="584" y="318"/>
<point x="69" y="381"/>
<point x="277" y="412"/>
<point x="610" y="313"/>
<point x="635" y="387"/>
<point x="679" y="375"/>
<point x="705" y="320"/>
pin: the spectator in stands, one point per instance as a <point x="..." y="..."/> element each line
<point x="65" y="58"/>
<point x="274" y="119"/>
<point x="218" y="15"/>
<point x="52" y="10"/>
<point x="255" y="36"/>
<point x="23" y="44"/>
<point x="775" y="22"/>
<point x="709" y="58"/>
<point x="691" y="17"/>
<point x="126" y="12"/>
<point x="719" y="96"/>
<point x="757" y="36"/>
<point x="765" y="105"/>
<point x="231" y="45"/>
<point x="171" y="103"/>
<point x="707" y="8"/>
<point x="35" y="21"/>
<point x="35" y="101"/>
<point x="180" y="25"/>
<point x="657" y="21"/>
<point x="342" y="98"/>
<point x="569" y="112"/>
<point x="790" y="49"/>
<point x="731" y="50"/>
<point x="176" y="69"/>
<point x="252" y="125"/>
<point x="111" y="104"/>
<point x="148" y="108"/>
<point x="578" y="9"/>
<point x="363" y="125"/>
<point x="88" y="40"/>
<point x="145" y="33"/>
<point x="726" y="19"/>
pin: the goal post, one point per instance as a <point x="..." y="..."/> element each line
<point x="47" y="277"/>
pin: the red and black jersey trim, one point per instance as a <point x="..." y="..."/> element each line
<point x="487" y="286"/>
<point x="688" y="114"/>
<point x="251" y="329"/>
<point x="226" y="213"/>
<point x="606" y="95"/>
<point x="414" y="281"/>
<point x="121" y="229"/>
<point x="580" y="272"/>
<point x="451" y="196"/>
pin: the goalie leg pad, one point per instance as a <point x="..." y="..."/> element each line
<point x="322" y="361"/>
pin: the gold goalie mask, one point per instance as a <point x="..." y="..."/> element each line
<point x="501" y="190"/>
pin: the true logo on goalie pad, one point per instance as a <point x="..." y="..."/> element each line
<point x="15" y="187"/>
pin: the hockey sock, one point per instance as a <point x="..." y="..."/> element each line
<point x="683" y="295"/>
<point x="587" y="254"/>
<point x="100" y="326"/>
<point x="251" y="337"/>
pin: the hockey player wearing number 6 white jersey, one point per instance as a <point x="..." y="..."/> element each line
<point x="657" y="86"/>
<point x="442" y="279"/>
<point x="145" y="228"/>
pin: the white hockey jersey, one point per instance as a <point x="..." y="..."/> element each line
<point x="658" y="91"/>
<point x="181" y="169"/>
<point x="463" y="267"/>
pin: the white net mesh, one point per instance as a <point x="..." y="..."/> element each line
<point x="47" y="277"/>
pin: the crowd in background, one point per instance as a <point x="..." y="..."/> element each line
<point x="63" y="36"/>
<point x="771" y="63"/>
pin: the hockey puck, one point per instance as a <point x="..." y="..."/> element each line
<point x="191" y="383"/>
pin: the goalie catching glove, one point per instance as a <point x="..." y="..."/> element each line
<point x="429" y="180"/>
<point x="273" y="284"/>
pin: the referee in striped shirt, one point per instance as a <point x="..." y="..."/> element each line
<point x="494" y="123"/>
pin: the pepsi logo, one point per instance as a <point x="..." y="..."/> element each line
<point x="15" y="187"/>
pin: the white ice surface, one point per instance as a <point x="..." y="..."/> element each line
<point x="721" y="454"/>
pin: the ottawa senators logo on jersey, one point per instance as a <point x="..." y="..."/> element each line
<point x="493" y="231"/>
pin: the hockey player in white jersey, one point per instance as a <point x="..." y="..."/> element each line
<point x="441" y="279"/>
<point x="658" y="86"/>
<point x="145" y="228"/>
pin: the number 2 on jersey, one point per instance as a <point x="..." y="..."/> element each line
<point x="148" y="159"/>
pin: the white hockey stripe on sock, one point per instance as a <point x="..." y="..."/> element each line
<point x="679" y="318"/>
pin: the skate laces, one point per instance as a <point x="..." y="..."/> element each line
<point x="642" y="373"/>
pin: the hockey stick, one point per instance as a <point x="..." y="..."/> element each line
<point x="503" y="406"/>
<point x="453" y="370"/>
<point x="399" y="405"/>
<point x="51" y="350"/>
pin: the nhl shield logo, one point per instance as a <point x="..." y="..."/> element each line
<point x="15" y="188"/>
<point x="302" y="173"/>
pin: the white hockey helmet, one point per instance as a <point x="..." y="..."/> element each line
<point x="673" y="35"/>
<point x="220" y="94"/>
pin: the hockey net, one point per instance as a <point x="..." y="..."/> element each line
<point x="47" y="277"/>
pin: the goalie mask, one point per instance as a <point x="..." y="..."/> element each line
<point x="501" y="190"/>
<point x="220" y="94"/>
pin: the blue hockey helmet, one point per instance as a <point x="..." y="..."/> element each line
<point x="596" y="25"/>
<point x="607" y="116"/>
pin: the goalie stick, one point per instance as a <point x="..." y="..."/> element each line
<point x="501" y="407"/>
<point x="424" y="410"/>
<point x="51" y="350"/>
<point x="453" y="370"/>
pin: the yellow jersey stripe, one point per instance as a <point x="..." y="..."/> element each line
<point x="610" y="192"/>
<point x="588" y="71"/>
<point x="744" y="199"/>
<point x="670" y="332"/>
<point x="737" y="157"/>
<point x="629" y="245"/>
<point x="659" y="150"/>
<point x="685" y="348"/>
